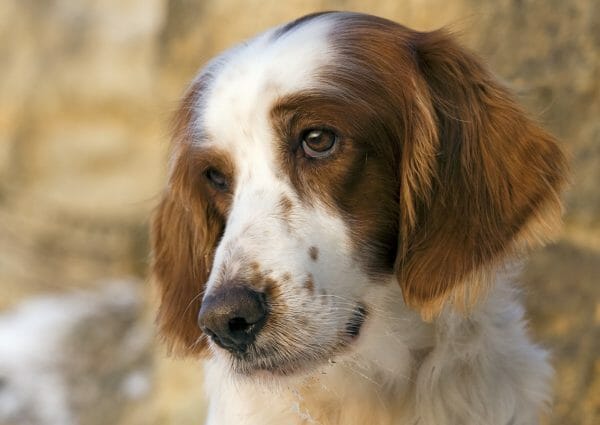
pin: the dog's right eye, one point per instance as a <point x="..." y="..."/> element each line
<point x="318" y="143"/>
<point x="217" y="179"/>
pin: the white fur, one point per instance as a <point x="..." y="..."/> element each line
<point x="401" y="370"/>
<point x="404" y="372"/>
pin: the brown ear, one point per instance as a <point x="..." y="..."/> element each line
<point x="184" y="233"/>
<point x="495" y="186"/>
<point x="180" y="269"/>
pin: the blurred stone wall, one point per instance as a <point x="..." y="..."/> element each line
<point x="87" y="88"/>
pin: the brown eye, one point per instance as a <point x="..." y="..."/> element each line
<point x="318" y="143"/>
<point x="217" y="179"/>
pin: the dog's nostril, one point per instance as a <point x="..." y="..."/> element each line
<point x="239" y="324"/>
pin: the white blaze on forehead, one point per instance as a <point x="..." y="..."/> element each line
<point x="250" y="78"/>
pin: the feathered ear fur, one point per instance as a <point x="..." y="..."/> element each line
<point x="184" y="236"/>
<point x="494" y="184"/>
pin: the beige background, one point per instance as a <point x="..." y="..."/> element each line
<point x="86" y="90"/>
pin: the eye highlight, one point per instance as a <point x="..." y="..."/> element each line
<point x="217" y="179"/>
<point x="318" y="143"/>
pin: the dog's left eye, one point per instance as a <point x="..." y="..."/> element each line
<point x="217" y="179"/>
<point x="318" y="143"/>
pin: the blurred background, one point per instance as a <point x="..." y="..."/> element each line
<point x="86" y="91"/>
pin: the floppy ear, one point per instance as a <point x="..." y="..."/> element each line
<point x="180" y="269"/>
<point x="495" y="183"/>
<point x="184" y="234"/>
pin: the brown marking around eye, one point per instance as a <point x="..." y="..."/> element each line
<point x="313" y="253"/>
<point x="358" y="181"/>
<point x="189" y="177"/>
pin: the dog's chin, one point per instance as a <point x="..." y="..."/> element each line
<point x="274" y="367"/>
<point x="276" y="361"/>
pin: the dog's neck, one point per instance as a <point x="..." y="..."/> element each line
<point x="342" y="393"/>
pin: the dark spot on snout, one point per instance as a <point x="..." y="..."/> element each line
<point x="309" y="284"/>
<point x="285" y="207"/>
<point x="270" y="283"/>
<point x="313" y="253"/>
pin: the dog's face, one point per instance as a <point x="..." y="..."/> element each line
<point x="326" y="164"/>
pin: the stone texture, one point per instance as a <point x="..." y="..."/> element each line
<point x="563" y="304"/>
<point x="79" y="358"/>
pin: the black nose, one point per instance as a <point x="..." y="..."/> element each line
<point x="233" y="316"/>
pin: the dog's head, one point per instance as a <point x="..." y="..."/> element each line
<point x="325" y="164"/>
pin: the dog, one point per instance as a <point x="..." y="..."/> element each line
<point x="346" y="201"/>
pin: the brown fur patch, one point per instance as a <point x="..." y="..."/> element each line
<point x="189" y="177"/>
<point x="473" y="169"/>
<point x="254" y="277"/>
<point x="309" y="283"/>
<point x="438" y="171"/>
<point x="261" y="280"/>
<point x="275" y="300"/>
<point x="286" y="207"/>
<point x="270" y="282"/>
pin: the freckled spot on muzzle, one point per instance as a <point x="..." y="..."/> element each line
<point x="285" y="206"/>
<point x="313" y="253"/>
<point x="309" y="283"/>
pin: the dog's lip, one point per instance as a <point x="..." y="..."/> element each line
<point x="250" y="366"/>
<point x="354" y="325"/>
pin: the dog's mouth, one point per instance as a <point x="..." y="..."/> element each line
<point x="278" y="357"/>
